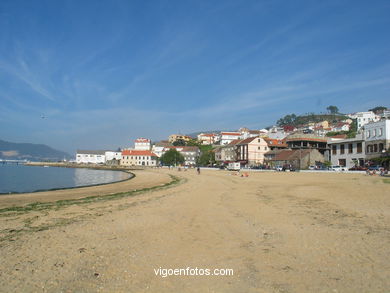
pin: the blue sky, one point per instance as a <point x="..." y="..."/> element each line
<point x="106" y="72"/>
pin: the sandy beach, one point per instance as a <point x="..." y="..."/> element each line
<point x="278" y="232"/>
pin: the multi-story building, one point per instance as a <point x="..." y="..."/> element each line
<point x="207" y="138"/>
<point x="250" y="151"/>
<point x="142" y="144"/>
<point x="138" y="158"/>
<point x="347" y="152"/>
<point x="307" y="141"/>
<point x="229" y="152"/>
<point x="274" y="144"/>
<point x="362" y="118"/>
<point x="174" y="137"/>
<point x="90" y="157"/>
<point x="247" y="133"/>
<point x="377" y="137"/>
<point x="227" y="137"/>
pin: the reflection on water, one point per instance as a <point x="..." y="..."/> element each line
<point x="84" y="177"/>
<point x="19" y="178"/>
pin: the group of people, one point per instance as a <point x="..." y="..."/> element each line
<point x="382" y="172"/>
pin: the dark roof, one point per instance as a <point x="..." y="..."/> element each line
<point x="248" y="140"/>
<point x="88" y="152"/>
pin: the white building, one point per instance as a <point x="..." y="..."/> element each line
<point x="227" y="137"/>
<point x="247" y="133"/>
<point x="347" y="152"/>
<point x="90" y="157"/>
<point x="207" y="138"/>
<point x="111" y="155"/>
<point x="158" y="150"/>
<point x="142" y="144"/>
<point x="377" y="137"/>
<point x="363" y="118"/>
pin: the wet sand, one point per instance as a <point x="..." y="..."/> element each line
<point x="279" y="232"/>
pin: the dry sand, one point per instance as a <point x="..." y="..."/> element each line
<point x="279" y="232"/>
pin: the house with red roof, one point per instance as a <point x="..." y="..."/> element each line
<point x="207" y="138"/>
<point x="138" y="158"/>
<point x="142" y="144"/>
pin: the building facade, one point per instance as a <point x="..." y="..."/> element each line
<point x="298" y="159"/>
<point x="377" y="137"/>
<point x="138" y="158"/>
<point x="227" y="137"/>
<point x="142" y="144"/>
<point x="363" y="118"/>
<point x="207" y="138"/>
<point x="90" y="157"/>
<point x="347" y="152"/>
<point x="250" y="151"/>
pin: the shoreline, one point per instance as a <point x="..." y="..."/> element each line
<point x="143" y="179"/>
<point x="132" y="175"/>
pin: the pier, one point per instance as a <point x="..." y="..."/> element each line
<point x="13" y="162"/>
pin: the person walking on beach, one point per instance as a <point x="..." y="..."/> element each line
<point x="198" y="170"/>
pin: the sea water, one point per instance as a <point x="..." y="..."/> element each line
<point x="21" y="178"/>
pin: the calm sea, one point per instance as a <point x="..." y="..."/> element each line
<point x="20" y="178"/>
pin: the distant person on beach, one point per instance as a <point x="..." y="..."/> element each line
<point x="198" y="170"/>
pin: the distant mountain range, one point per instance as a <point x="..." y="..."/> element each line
<point x="30" y="151"/>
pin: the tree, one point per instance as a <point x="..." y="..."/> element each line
<point x="193" y="142"/>
<point x="179" y="142"/>
<point x="378" y="109"/>
<point x="332" y="109"/>
<point x="172" y="158"/>
<point x="206" y="158"/>
<point x="287" y="120"/>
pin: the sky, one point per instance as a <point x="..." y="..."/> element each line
<point x="98" y="74"/>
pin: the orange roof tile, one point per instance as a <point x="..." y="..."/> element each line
<point x="138" y="153"/>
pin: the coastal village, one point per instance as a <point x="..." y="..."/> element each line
<point x="313" y="145"/>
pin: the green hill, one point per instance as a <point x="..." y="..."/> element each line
<point x="295" y="120"/>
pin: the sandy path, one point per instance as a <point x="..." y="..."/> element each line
<point x="279" y="232"/>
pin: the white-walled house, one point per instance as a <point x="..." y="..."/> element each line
<point x="227" y="137"/>
<point x="142" y="144"/>
<point x="363" y="118"/>
<point x="111" y="155"/>
<point x="158" y="150"/>
<point x="347" y="152"/>
<point x="90" y="157"/>
<point x="377" y="137"/>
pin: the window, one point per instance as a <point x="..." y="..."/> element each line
<point x="374" y="132"/>
<point x="334" y="150"/>
<point x="380" y="132"/>
<point x="350" y="148"/>
<point x="359" y="147"/>
<point x="375" y="148"/>
<point x="380" y="147"/>
<point x="368" y="133"/>
<point x="342" y="149"/>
